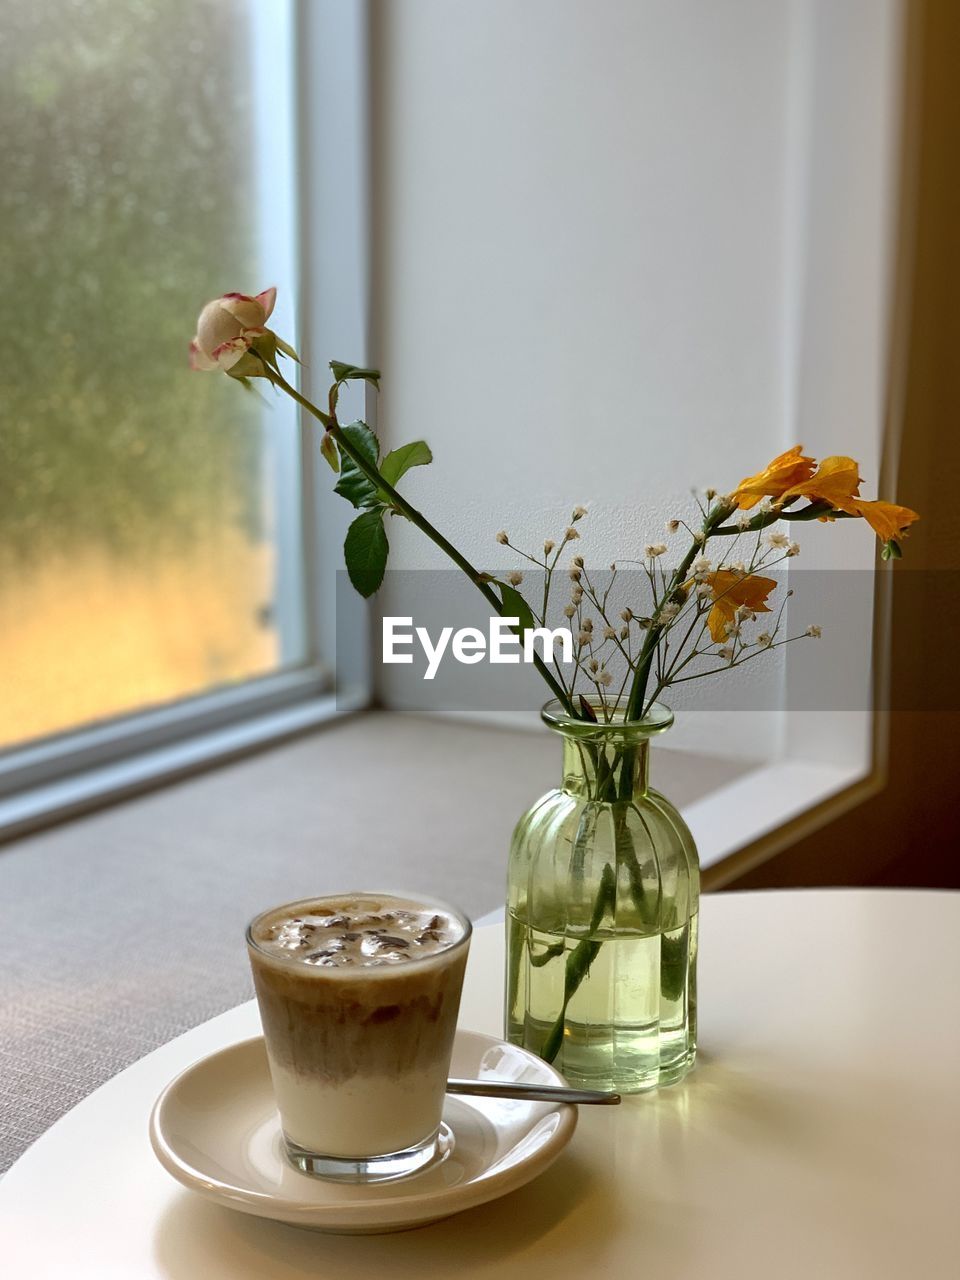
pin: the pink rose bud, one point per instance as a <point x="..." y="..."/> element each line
<point x="227" y="327"/>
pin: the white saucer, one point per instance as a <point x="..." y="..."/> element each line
<point x="216" y="1129"/>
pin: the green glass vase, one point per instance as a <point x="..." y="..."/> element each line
<point x="603" y="893"/>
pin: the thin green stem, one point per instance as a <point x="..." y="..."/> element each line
<point x="635" y="704"/>
<point x="415" y="517"/>
<point x="814" y="511"/>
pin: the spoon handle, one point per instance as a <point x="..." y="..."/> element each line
<point x="530" y="1092"/>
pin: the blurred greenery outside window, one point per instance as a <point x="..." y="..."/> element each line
<point x="147" y="515"/>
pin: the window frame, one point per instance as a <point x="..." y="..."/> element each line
<point x="66" y="773"/>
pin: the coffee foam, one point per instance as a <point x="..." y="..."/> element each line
<point x="356" y="932"/>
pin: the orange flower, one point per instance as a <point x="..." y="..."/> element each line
<point x="729" y="591"/>
<point x="886" y="519"/>
<point x="788" y="469"/>
<point x="837" y="481"/>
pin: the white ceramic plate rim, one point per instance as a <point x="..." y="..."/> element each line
<point x="427" y="1206"/>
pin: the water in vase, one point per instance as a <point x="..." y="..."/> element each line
<point x="629" y="1025"/>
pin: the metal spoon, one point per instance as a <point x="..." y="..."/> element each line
<point x="530" y="1092"/>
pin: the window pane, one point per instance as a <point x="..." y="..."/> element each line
<point x="138" y="532"/>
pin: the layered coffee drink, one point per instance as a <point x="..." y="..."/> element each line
<point x="358" y="996"/>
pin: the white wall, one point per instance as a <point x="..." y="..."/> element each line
<point x="623" y="247"/>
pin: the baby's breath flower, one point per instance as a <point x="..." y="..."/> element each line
<point x="711" y="494"/>
<point x="594" y="665"/>
<point x="584" y="638"/>
<point x="654" y="549"/>
<point x="587" y="624"/>
<point x="569" y="610"/>
<point x="626" y="615"/>
<point x="515" y="577"/>
<point x="672" y="526"/>
<point x="577" y="562"/>
<point x="814" y="631"/>
<point x="570" y="534"/>
<point x="624" y="633"/>
<point x="548" y="546"/>
<point x="745" y="613"/>
<point x="793" y="549"/>
<point x="699" y="538"/>
<point x="667" y="613"/>
<point x="503" y="537"/>
<point x="765" y="504"/>
<point x="577" y="595"/>
<point x="609" y="633"/>
<point x="574" y="575"/>
<point x="704" y="591"/>
<point x="605" y="678"/>
<point x="701" y="566"/>
<point x="777" y="539"/>
<point x="726" y="653"/>
<point x="738" y="566"/>
<point x="578" y="513"/>
<point x="743" y="520"/>
<point x="764" y="640"/>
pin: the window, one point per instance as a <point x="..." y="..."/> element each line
<point x="167" y="581"/>
<point x="149" y="520"/>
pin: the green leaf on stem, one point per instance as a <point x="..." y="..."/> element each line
<point x="514" y="606"/>
<point x="265" y="345"/>
<point x="353" y="484"/>
<point x="248" y="366"/>
<point x="286" y="348"/>
<point x="577" y="967"/>
<point x="328" y="448"/>
<point x="399" y="461"/>
<point x="891" y="550"/>
<point x="606" y="897"/>
<point x="673" y="965"/>
<point x="580" y="959"/>
<point x="365" y="552"/>
<point x="353" y="373"/>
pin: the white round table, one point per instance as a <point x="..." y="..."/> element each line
<point x="818" y="1136"/>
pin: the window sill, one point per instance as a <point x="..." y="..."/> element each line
<point x="740" y="813"/>
<point x="51" y="802"/>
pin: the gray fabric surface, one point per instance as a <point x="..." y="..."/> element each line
<point x="120" y="930"/>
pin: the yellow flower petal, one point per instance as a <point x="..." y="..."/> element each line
<point x="787" y="469"/>
<point x="729" y="591"/>
<point x="886" y="519"/>
<point x="837" y="481"/>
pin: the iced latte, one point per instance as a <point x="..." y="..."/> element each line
<point x="358" y="998"/>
